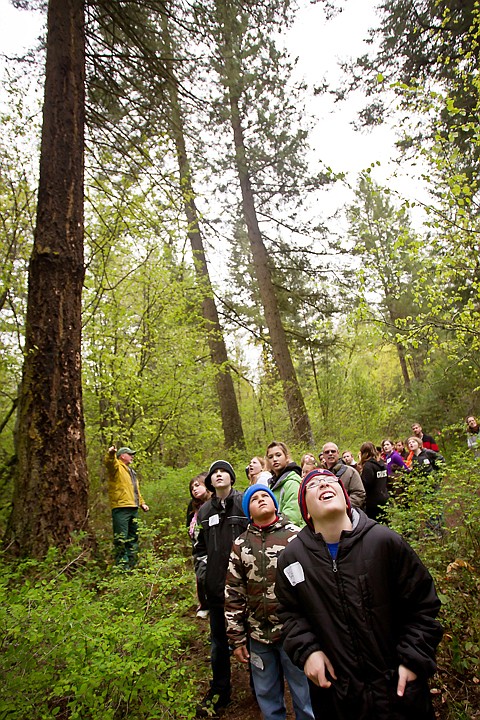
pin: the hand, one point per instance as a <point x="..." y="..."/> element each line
<point x="145" y="507"/>
<point x="404" y="676"/>
<point x="241" y="654"/>
<point x="112" y="450"/>
<point x="316" y="665"/>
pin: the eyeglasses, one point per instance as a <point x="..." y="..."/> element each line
<point x="324" y="480"/>
<point x="329" y="452"/>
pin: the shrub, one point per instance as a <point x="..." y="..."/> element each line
<point x="81" y="645"/>
<point x="440" y="517"/>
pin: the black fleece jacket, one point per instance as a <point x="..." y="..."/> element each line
<point x="369" y="611"/>
<point x="374" y="478"/>
<point x="220" y="525"/>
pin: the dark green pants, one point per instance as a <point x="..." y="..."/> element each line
<point x="125" y="536"/>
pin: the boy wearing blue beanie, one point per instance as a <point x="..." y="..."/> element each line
<point x="251" y="606"/>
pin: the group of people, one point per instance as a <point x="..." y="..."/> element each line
<point x="301" y="584"/>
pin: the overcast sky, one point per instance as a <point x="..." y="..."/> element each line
<point x="319" y="46"/>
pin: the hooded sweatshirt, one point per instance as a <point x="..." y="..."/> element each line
<point x="374" y="478"/>
<point x="285" y="488"/>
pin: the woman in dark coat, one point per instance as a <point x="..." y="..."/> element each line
<point x="423" y="461"/>
<point x="374" y="478"/>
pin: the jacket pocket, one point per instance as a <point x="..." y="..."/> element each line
<point x="415" y="704"/>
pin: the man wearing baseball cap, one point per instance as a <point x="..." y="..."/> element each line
<point x="125" y="499"/>
<point x="358" y="609"/>
<point x="221" y="520"/>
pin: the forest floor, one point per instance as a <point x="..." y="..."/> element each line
<point x="243" y="705"/>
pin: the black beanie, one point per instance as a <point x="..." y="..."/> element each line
<point x="219" y="465"/>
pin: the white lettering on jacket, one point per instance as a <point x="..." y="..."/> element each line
<point x="294" y="573"/>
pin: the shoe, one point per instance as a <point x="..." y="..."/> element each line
<point x="212" y="704"/>
<point x="203" y="613"/>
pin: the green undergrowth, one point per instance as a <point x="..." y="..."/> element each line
<point x="81" y="640"/>
<point x="440" y="517"/>
<point x="85" y="647"/>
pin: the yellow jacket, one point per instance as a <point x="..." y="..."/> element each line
<point x="123" y="488"/>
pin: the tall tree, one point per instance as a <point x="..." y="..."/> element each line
<point x="231" y="33"/>
<point x="384" y="241"/>
<point x="51" y="483"/>
<point x="422" y="49"/>
<point x="141" y="65"/>
<point x="231" y="420"/>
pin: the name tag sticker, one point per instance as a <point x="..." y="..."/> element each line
<point x="294" y="573"/>
<point x="213" y="520"/>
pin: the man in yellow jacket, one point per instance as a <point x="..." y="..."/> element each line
<point x="125" y="499"/>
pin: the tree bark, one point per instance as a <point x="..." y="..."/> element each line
<point x="297" y="410"/>
<point x="403" y="364"/>
<point x="230" y="414"/>
<point x="51" y="483"/>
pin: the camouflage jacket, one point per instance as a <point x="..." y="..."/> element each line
<point x="250" y="602"/>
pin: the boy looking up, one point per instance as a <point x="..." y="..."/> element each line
<point x="251" y="606"/>
<point x="221" y="520"/>
<point x="359" y="611"/>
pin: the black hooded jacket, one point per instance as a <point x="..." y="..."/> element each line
<point x="219" y="525"/>
<point x="374" y="478"/>
<point x="369" y="611"/>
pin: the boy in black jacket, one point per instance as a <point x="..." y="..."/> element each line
<point x="221" y="520"/>
<point x="359" y="611"/>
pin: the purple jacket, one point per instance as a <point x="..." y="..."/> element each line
<point x="394" y="458"/>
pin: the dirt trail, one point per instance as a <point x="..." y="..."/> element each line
<point x="243" y="705"/>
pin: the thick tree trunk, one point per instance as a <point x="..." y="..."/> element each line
<point x="291" y="389"/>
<point x="51" y="484"/>
<point x="230" y="414"/>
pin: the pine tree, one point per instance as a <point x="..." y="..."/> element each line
<point x="51" y="484"/>
<point x="234" y="26"/>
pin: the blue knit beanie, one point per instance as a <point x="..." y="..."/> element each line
<point x="247" y="496"/>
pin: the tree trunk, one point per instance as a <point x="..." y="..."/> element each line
<point x="230" y="414"/>
<point x="51" y="483"/>
<point x="403" y="364"/>
<point x="297" y="410"/>
<point x="400" y="349"/>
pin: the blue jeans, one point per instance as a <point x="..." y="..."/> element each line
<point x="270" y="664"/>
